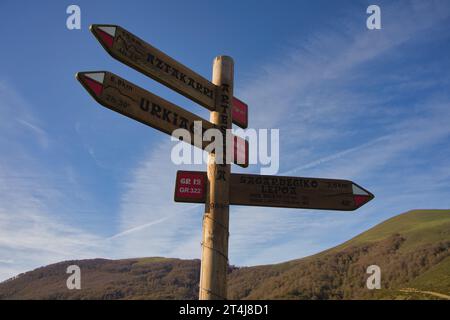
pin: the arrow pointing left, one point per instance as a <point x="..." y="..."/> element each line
<point x="128" y="99"/>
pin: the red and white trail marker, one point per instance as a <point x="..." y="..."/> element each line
<point x="107" y="34"/>
<point x="360" y="195"/>
<point x="190" y="186"/>
<point x="94" y="82"/>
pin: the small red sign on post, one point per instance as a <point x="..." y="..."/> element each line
<point x="190" y="186"/>
<point x="239" y="113"/>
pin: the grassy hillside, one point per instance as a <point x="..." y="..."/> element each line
<point x="412" y="250"/>
<point x="148" y="278"/>
<point x="404" y="247"/>
<point x="418" y="227"/>
<point x="437" y="278"/>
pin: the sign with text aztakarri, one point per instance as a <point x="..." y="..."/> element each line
<point x="277" y="191"/>
<point x="145" y="58"/>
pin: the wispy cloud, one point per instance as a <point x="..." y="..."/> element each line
<point x="335" y="156"/>
<point x="151" y="223"/>
<point x="138" y="228"/>
<point x="31" y="234"/>
<point x="38" y="132"/>
<point x="16" y="121"/>
<point x="7" y="261"/>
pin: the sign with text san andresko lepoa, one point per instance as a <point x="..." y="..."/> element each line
<point x="277" y="191"/>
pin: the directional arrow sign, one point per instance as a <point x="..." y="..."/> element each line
<point x="296" y="192"/>
<point x="277" y="191"/>
<point x="134" y="102"/>
<point x="143" y="57"/>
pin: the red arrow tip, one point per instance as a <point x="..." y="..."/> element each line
<point x="360" y="195"/>
<point x="360" y="200"/>
<point x="105" y="34"/>
<point x="92" y="81"/>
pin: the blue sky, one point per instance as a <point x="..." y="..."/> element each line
<point x="79" y="181"/>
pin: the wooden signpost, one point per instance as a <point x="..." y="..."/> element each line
<point x="217" y="188"/>
<point x="214" y="266"/>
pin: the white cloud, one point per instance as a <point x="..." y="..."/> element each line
<point x="151" y="223"/>
<point x="30" y="236"/>
<point x="16" y="121"/>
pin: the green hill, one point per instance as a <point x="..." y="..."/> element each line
<point x="418" y="227"/>
<point x="412" y="250"/>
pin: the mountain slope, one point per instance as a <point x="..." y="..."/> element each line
<point x="412" y="250"/>
<point x="147" y="278"/>
<point x="418" y="227"/>
<point x="404" y="247"/>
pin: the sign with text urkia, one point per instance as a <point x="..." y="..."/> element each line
<point x="285" y="192"/>
<point x="128" y="99"/>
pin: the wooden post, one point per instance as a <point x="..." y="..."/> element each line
<point x="214" y="265"/>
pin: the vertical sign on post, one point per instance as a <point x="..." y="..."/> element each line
<point x="214" y="265"/>
<point x="239" y="113"/>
